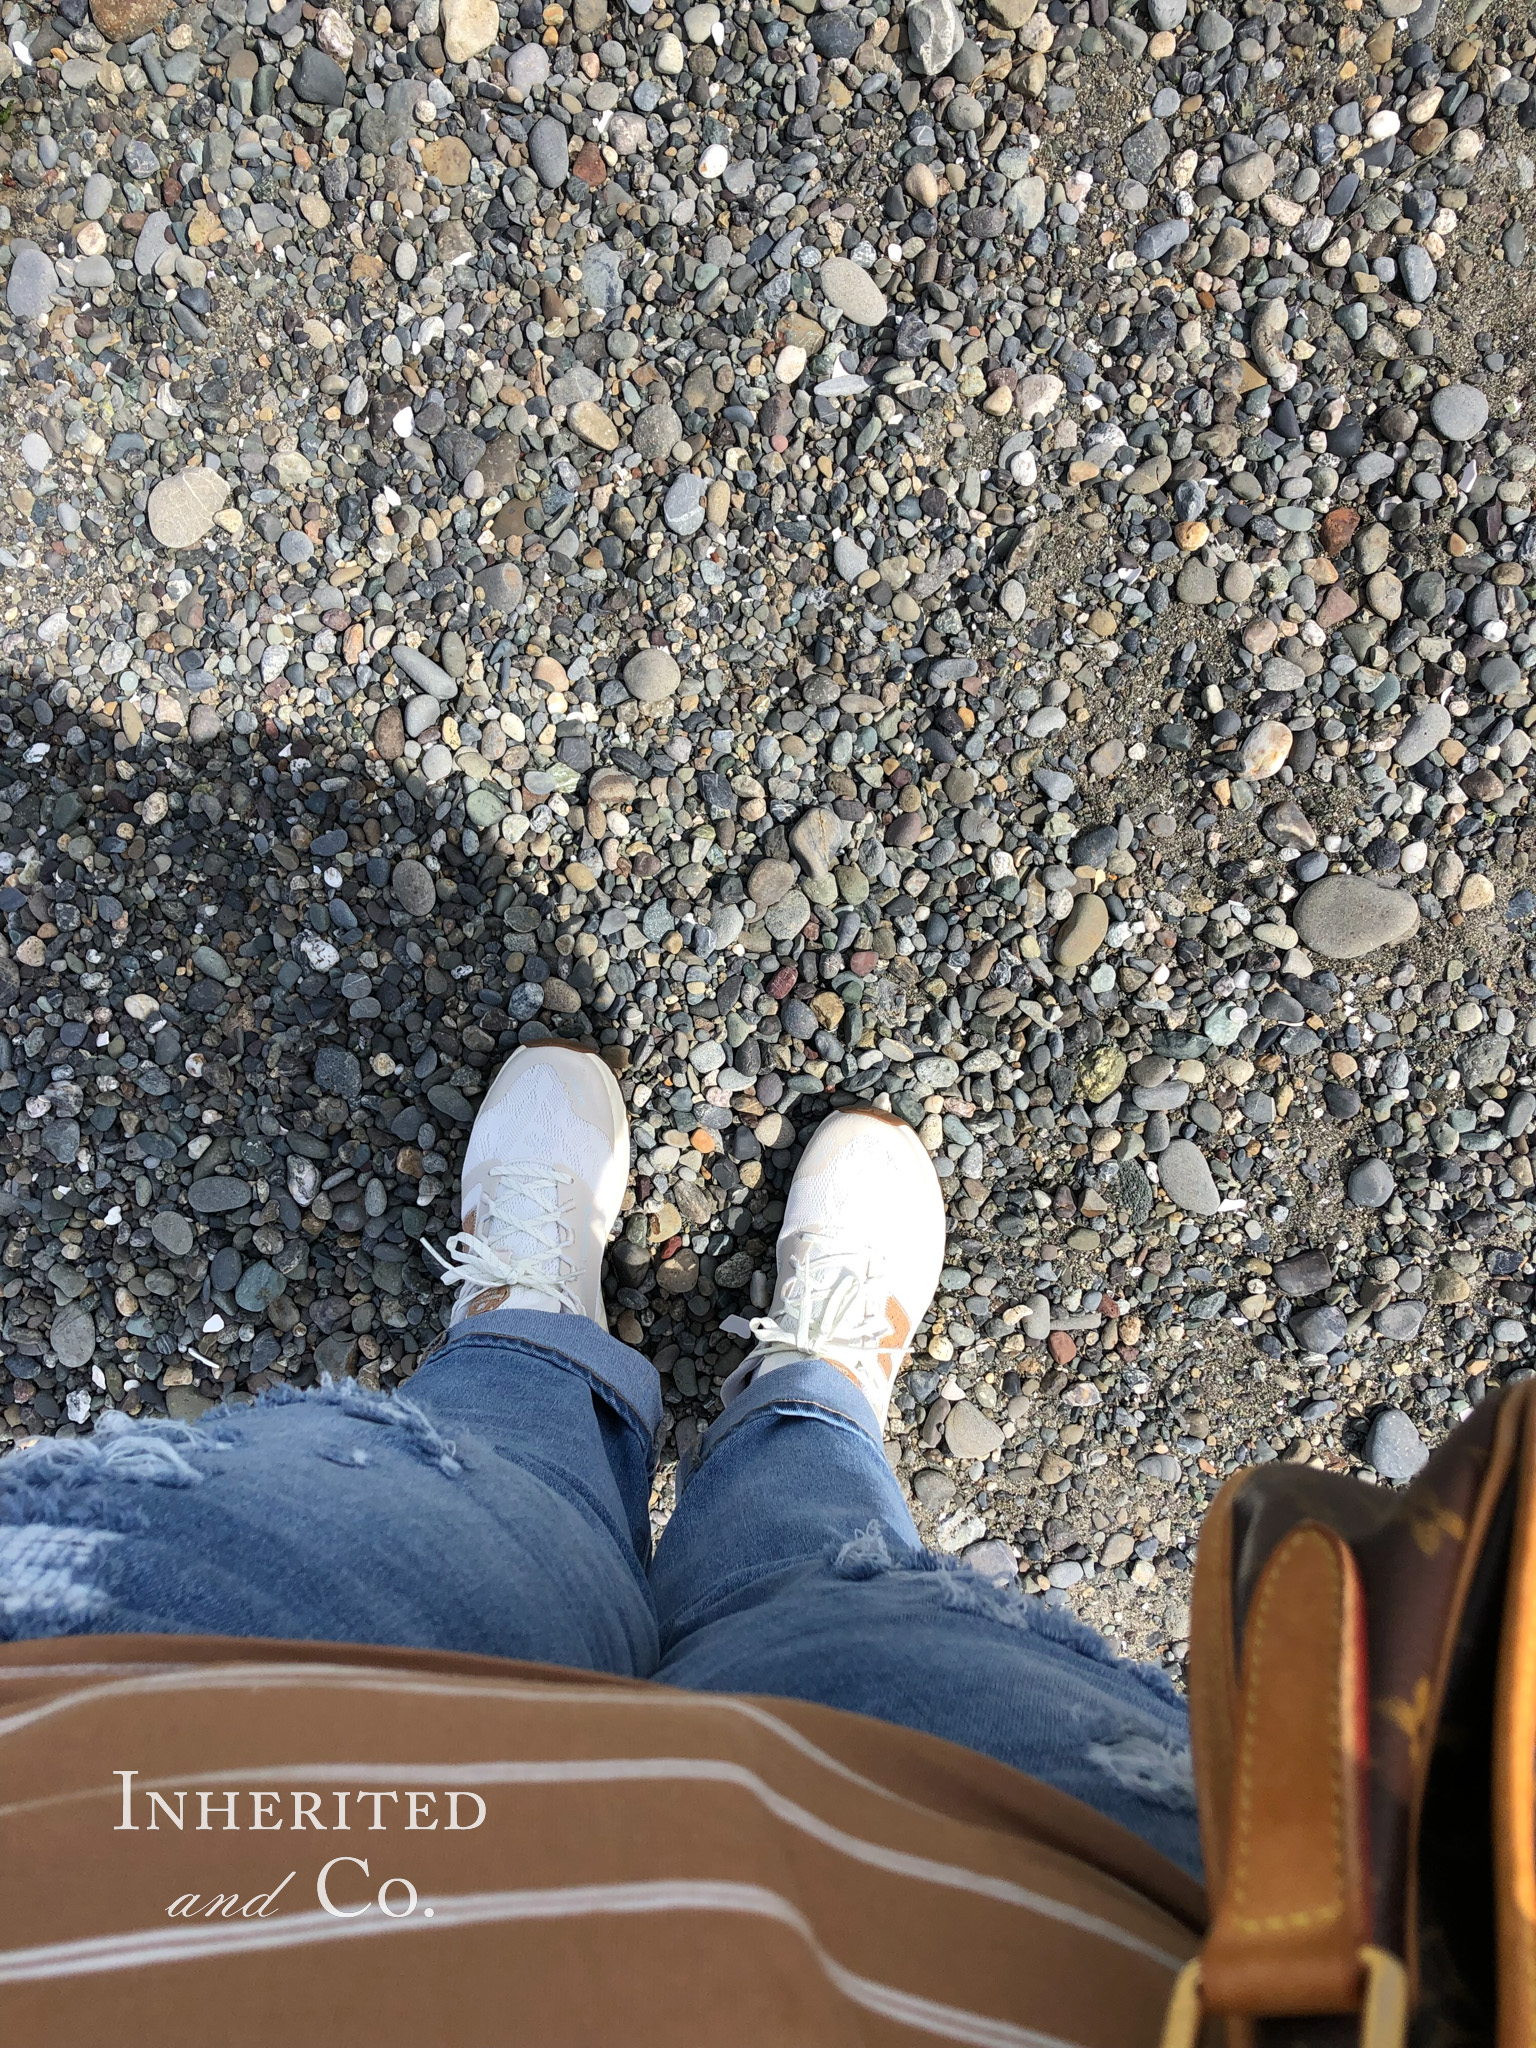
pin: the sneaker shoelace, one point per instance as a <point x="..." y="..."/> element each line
<point x="535" y="1207"/>
<point x="824" y="1312"/>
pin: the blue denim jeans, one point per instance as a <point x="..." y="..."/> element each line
<point x="502" y="1506"/>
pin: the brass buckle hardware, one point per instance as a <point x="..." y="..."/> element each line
<point x="1383" y="2015"/>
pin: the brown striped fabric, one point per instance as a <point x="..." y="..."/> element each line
<point x="205" y="1841"/>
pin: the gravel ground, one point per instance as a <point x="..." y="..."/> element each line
<point x="979" y="564"/>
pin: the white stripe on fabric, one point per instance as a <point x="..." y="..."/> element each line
<point x="75" y="1665"/>
<point x="699" y="1770"/>
<point x="351" y="1678"/>
<point x="195" y="1676"/>
<point x="159" y="1946"/>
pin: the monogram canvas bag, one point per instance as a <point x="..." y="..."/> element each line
<point x="1363" y="1708"/>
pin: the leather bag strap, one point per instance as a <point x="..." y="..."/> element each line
<point x="1514" y="1771"/>
<point x="1295" y="1906"/>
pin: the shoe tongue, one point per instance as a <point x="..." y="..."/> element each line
<point x="511" y="1219"/>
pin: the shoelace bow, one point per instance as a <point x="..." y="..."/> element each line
<point x="534" y="1207"/>
<point x="828" y="1300"/>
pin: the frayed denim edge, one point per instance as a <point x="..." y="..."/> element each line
<point x="873" y="1552"/>
<point x="63" y="1502"/>
<point x="60" y="1480"/>
<point x="1140" y="1763"/>
<point x="394" y="1411"/>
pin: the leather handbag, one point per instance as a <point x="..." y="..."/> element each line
<point x="1363" y="1717"/>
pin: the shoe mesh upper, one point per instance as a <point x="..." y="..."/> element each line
<point x="856" y="1192"/>
<point x="536" y="1123"/>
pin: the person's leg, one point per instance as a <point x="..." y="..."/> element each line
<point x="489" y="1508"/>
<point x="500" y="1505"/>
<point x="791" y="1566"/>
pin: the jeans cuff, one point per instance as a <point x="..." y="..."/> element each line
<point x="619" y="1376"/>
<point x="805" y="1386"/>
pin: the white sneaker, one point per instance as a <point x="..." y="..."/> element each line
<point x="544" y="1176"/>
<point x="859" y="1256"/>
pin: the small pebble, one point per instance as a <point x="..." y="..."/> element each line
<point x="1393" y="1446"/>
